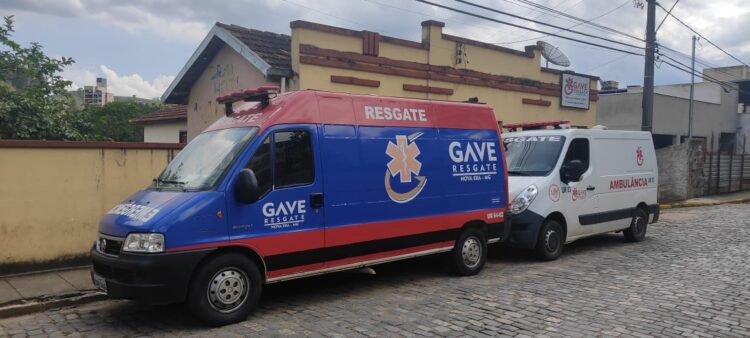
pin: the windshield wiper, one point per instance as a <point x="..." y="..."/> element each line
<point x="518" y="173"/>
<point x="157" y="180"/>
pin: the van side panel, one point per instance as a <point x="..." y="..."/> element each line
<point x="626" y="176"/>
<point x="358" y="178"/>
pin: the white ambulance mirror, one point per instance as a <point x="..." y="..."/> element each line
<point x="571" y="171"/>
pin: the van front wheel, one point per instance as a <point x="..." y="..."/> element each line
<point x="637" y="230"/>
<point x="225" y="289"/>
<point x="470" y="252"/>
<point x="549" y="245"/>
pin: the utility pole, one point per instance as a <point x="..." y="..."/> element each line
<point x="692" y="88"/>
<point x="648" y="73"/>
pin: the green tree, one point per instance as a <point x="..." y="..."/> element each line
<point x="110" y="122"/>
<point x="33" y="95"/>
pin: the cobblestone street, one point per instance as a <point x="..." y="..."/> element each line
<point x="688" y="278"/>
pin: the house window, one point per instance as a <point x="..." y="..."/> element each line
<point x="183" y="136"/>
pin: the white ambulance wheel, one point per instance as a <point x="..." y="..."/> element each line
<point x="225" y="289"/>
<point x="470" y="252"/>
<point x="637" y="230"/>
<point x="549" y="245"/>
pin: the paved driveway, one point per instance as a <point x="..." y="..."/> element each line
<point x="691" y="277"/>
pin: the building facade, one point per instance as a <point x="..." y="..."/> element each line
<point x="97" y="94"/>
<point x="440" y="67"/>
<point x="714" y="113"/>
<point x="168" y="125"/>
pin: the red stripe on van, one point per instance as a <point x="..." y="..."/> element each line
<point x="305" y="240"/>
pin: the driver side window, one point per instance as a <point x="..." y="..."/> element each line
<point x="288" y="163"/>
<point x="260" y="164"/>
<point x="578" y="150"/>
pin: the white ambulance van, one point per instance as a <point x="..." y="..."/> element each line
<point x="568" y="184"/>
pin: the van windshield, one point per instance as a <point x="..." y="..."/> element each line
<point x="204" y="160"/>
<point x="532" y="155"/>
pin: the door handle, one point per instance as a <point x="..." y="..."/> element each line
<point x="316" y="200"/>
<point x="590" y="188"/>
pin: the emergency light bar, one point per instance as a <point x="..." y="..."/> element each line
<point x="260" y="94"/>
<point x="524" y="125"/>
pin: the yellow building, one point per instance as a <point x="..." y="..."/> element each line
<point x="440" y="67"/>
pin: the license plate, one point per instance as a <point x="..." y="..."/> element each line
<point x="100" y="282"/>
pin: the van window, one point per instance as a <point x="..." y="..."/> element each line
<point x="260" y="164"/>
<point x="293" y="158"/>
<point x="203" y="162"/>
<point x="578" y="150"/>
<point x="532" y="155"/>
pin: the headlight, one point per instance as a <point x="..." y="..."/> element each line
<point x="144" y="243"/>
<point x="523" y="200"/>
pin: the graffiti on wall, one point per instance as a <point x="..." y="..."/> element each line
<point x="221" y="77"/>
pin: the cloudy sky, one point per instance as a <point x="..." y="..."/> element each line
<point x="140" y="45"/>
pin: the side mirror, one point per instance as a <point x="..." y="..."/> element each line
<point x="246" y="188"/>
<point x="571" y="171"/>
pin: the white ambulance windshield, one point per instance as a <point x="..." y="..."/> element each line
<point x="532" y="155"/>
<point x="204" y="159"/>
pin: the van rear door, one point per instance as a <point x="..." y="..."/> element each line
<point x="286" y="223"/>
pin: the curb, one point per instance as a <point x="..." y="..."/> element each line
<point x="701" y="204"/>
<point x="45" y="303"/>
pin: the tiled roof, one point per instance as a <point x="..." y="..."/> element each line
<point x="172" y="112"/>
<point x="274" y="48"/>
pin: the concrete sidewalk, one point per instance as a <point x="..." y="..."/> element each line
<point x="32" y="292"/>
<point x="735" y="197"/>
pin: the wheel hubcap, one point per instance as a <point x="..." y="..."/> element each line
<point x="471" y="252"/>
<point x="552" y="240"/>
<point x="638" y="224"/>
<point x="228" y="290"/>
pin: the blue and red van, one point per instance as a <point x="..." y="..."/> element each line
<point x="304" y="183"/>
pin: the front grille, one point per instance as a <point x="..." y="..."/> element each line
<point x="112" y="247"/>
<point x="109" y="245"/>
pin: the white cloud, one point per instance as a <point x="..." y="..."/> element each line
<point x="186" y="22"/>
<point x="120" y="85"/>
<point x="79" y="77"/>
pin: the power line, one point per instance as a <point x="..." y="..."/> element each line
<point x="708" y="78"/>
<point x="544" y="23"/>
<point x="701" y="36"/>
<point x="705" y="63"/>
<point x="541" y="13"/>
<point x="609" y="29"/>
<point x="528" y="28"/>
<point x="667" y="15"/>
<point x="574" y="26"/>
<point x="606" y="63"/>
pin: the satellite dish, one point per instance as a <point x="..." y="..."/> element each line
<point x="553" y="55"/>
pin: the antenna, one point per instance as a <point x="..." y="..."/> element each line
<point x="553" y="54"/>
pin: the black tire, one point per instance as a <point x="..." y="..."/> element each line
<point x="550" y="242"/>
<point x="223" y="276"/>
<point x="637" y="230"/>
<point x="470" y="252"/>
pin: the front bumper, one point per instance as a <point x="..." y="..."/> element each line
<point x="150" y="278"/>
<point x="524" y="229"/>
<point x="498" y="232"/>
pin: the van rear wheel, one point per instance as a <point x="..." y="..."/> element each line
<point x="470" y="252"/>
<point x="225" y="289"/>
<point x="637" y="230"/>
<point x="549" y="244"/>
